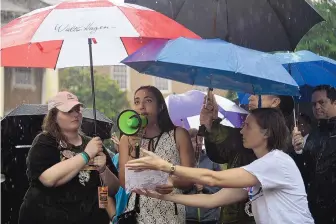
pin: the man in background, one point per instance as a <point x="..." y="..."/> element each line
<point x="316" y="156"/>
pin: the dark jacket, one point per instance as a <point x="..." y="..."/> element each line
<point x="203" y="214"/>
<point x="318" y="168"/>
<point x="224" y="145"/>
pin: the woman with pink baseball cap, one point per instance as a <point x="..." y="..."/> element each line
<point x="66" y="171"/>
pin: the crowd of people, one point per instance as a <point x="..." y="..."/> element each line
<point x="278" y="170"/>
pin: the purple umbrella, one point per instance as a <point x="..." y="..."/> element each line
<point x="184" y="109"/>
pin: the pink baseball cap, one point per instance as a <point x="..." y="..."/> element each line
<point x="63" y="101"/>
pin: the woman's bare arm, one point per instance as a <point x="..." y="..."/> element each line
<point x="123" y="158"/>
<point x="187" y="156"/>
<point x="62" y="172"/>
<point x="233" y="178"/>
<point x="110" y="180"/>
<point x="111" y="207"/>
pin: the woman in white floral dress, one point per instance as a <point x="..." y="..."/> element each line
<point x="169" y="142"/>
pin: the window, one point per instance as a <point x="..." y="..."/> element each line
<point x="201" y="88"/>
<point x="23" y="78"/>
<point x="164" y="85"/>
<point x="120" y="75"/>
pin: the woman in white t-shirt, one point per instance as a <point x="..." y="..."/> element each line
<point x="273" y="182"/>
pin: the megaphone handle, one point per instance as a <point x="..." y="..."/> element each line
<point x="137" y="151"/>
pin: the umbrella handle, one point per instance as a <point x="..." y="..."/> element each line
<point x="90" y="40"/>
<point x="202" y="128"/>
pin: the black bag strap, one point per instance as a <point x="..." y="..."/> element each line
<point x="151" y="143"/>
<point x="137" y="196"/>
<point x="176" y="211"/>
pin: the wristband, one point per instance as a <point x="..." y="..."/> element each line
<point x="172" y="169"/>
<point x="86" y="157"/>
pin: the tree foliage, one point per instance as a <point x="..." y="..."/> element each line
<point x="231" y="95"/>
<point x="110" y="100"/>
<point x="321" y="39"/>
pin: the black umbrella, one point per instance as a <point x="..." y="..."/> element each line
<point x="22" y="124"/>
<point x="18" y="129"/>
<point x="265" y="25"/>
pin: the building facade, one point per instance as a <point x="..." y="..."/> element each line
<point x="130" y="80"/>
<point x="24" y="85"/>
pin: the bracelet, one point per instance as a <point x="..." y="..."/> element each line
<point x="85" y="156"/>
<point x="172" y="169"/>
<point x="112" y="218"/>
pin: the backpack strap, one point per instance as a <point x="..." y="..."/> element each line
<point x="137" y="196"/>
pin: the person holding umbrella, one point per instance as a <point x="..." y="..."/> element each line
<point x="66" y="169"/>
<point x="272" y="182"/>
<point x="224" y="144"/>
<point x="316" y="156"/>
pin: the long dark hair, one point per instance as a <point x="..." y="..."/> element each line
<point x="164" y="121"/>
<point x="273" y="121"/>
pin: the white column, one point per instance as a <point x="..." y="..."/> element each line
<point x="50" y="84"/>
<point x="2" y="91"/>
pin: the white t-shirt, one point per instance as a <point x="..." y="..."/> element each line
<point x="281" y="198"/>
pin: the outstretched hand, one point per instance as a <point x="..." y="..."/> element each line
<point x="165" y="188"/>
<point x="150" y="161"/>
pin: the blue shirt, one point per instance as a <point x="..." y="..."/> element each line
<point x="121" y="197"/>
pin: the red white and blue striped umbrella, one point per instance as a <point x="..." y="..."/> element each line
<point x="57" y="36"/>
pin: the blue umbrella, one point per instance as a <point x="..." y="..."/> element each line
<point x="213" y="63"/>
<point x="308" y="70"/>
<point x="243" y="98"/>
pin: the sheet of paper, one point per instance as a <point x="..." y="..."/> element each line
<point x="147" y="179"/>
